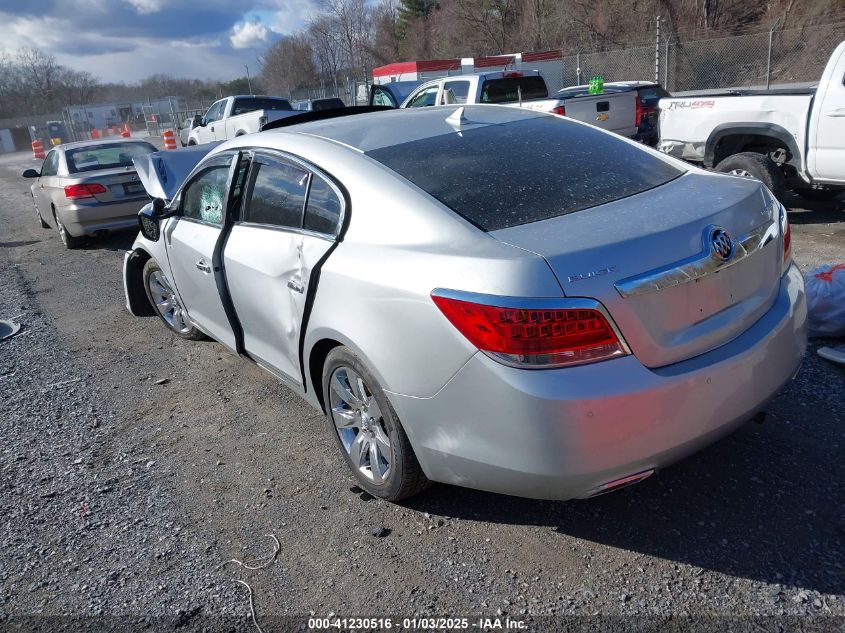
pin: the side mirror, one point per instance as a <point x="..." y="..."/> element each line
<point x="149" y="219"/>
<point x="31" y="173"/>
<point x="198" y="120"/>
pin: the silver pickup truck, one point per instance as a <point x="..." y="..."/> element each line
<point x="615" y="112"/>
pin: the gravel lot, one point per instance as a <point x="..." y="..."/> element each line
<point x="133" y="464"/>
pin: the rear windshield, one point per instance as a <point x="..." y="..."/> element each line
<point x="500" y="176"/>
<point x="106" y="156"/>
<point x="243" y="105"/>
<point x="507" y="89"/>
<point x="326" y="104"/>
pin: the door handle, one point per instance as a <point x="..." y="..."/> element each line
<point x="203" y="266"/>
<point x="296" y="287"/>
<point x="836" y="112"/>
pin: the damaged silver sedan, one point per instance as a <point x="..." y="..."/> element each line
<point x="483" y="296"/>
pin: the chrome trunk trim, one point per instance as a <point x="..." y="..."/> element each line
<point x="699" y="265"/>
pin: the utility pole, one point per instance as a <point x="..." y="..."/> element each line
<point x="248" y="82"/>
<point x="657" y="52"/>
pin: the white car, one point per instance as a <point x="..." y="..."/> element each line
<point x="788" y="138"/>
<point x="236" y="116"/>
<point x="612" y="111"/>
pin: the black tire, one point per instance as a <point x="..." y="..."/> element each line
<point x="404" y="478"/>
<point x="759" y="166"/>
<point x="41" y="221"/>
<point x="70" y="242"/>
<point x="189" y="333"/>
<point x="191" y="143"/>
<point x="818" y="194"/>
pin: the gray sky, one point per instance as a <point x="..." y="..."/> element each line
<point x="126" y="40"/>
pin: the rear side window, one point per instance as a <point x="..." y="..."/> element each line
<point x="322" y="213"/>
<point x="455" y="92"/>
<point x="507" y="89"/>
<point x="242" y="105"/>
<point x="278" y="194"/>
<point x="542" y="167"/>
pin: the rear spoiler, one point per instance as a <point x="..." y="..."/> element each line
<point x="162" y="173"/>
<point x="321" y="115"/>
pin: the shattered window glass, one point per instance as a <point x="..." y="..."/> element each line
<point x="205" y="197"/>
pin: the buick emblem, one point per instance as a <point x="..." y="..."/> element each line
<point x="721" y="244"/>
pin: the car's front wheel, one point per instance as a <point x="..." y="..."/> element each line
<point x="367" y="429"/>
<point x="166" y="302"/>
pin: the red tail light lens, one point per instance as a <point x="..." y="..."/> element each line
<point x="561" y="110"/>
<point x="75" y="192"/>
<point x="786" y="231"/>
<point x="642" y="112"/>
<point x="564" y="332"/>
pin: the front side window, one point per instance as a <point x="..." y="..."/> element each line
<point x="50" y="167"/>
<point x="455" y="92"/>
<point x="426" y="97"/>
<point x="278" y="193"/>
<point x="324" y="208"/>
<point x="204" y="199"/>
<point x="213" y="112"/>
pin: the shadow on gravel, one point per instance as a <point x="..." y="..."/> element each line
<point x="19" y="243"/>
<point x="764" y="504"/>
<point x="118" y="241"/>
<point x="804" y="211"/>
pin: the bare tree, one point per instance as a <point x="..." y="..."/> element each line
<point x="289" y="64"/>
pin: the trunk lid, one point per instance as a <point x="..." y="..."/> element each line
<point x="121" y="183"/>
<point x="648" y="259"/>
<point x="162" y="173"/>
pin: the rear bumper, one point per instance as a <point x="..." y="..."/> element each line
<point x="563" y="433"/>
<point x="88" y="218"/>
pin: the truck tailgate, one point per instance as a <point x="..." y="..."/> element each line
<point x="615" y="112"/>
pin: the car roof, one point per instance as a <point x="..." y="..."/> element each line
<point x="374" y="130"/>
<point x="101" y="141"/>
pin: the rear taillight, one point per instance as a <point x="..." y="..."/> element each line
<point x="786" y="231"/>
<point x="642" y="112"/>
<point x="561" y="110"/>
<point x="533" y="333"/>
<point x="75" y="192"/>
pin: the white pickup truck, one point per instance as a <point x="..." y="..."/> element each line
<point x="615" y="112"/>
<point x="236" y="116"/>
<point x="786" y="138"/>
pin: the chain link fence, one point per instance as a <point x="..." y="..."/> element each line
<point x="688" y="64"/>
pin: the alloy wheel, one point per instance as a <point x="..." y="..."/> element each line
<point x="359" y="423"/>
<point x="167" y="303"/>
<point x="741" y="172"/>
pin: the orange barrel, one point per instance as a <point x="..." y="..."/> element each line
<point x="114" y="130"/>
<point x="37" y="150"/>
<point x="125" y="131"/>
<point x="95" y="133"/>
<point x="169" y="139"/>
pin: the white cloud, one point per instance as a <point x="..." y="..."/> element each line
<point x="249" y="35"/>
<point x="145" y="7"/>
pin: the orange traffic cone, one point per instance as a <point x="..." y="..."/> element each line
<point x="169" y="139"/>
<point x="37" y="150"/>
<point x="125" y="133"/>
